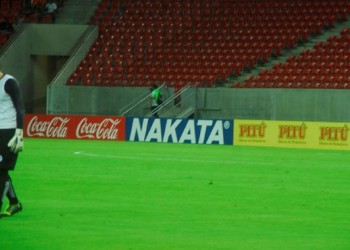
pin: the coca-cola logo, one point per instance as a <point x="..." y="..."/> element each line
<point x="55" y="128"/>
<point x="105" y="130"/>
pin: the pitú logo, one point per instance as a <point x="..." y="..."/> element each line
<point x="292" y="131"/>
<point x="252" y="130"/>
<point x="334" y="133"/>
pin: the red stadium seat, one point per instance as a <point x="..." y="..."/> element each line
<point x="221" y="38"/>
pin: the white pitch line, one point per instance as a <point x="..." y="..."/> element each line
<point x="234" y="161"/>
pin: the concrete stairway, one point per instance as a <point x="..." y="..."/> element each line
<point x="292" y="52"/>
<point x="178" y="112"/>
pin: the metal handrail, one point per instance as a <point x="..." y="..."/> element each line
<point x="132" y="105"/>
<point x="139" y="103"/>
<point x="169" y="100"/>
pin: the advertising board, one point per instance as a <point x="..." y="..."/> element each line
<point x="75" y="127"/>
<point x="295" y="134"/>
<point x="193" y="131"/>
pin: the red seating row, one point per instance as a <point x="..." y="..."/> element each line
<point x="325" y="66"/>
<point x="160" y="40"/>
<point x="10" y="9"/>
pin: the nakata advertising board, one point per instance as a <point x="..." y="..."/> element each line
<point x="191" y="131"/>
<point x="75" y="127"/>
<point x="293" y="134"/>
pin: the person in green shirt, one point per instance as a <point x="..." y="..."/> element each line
<point x="156" y="100"/>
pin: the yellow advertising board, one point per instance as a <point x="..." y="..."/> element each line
<point x="292" y="134"/>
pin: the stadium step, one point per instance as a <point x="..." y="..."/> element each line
<point x="291" y="52"/>
<point x="178" y="112"/>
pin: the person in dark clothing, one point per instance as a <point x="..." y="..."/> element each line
<point x="6" y="26"/>
<point x="11" y="139"/>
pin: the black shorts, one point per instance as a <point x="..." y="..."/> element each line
<point x="7" y="158"/>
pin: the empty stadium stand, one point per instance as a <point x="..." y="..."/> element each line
<point x="325" y="66"/>
<point x="202" y="42"/>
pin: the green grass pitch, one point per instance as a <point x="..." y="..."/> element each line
<point x="133" y="195"/>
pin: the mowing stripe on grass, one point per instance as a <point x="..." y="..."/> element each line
<point x="155" y="157"/>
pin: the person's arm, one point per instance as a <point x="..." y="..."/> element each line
<point x="13" y="89"/>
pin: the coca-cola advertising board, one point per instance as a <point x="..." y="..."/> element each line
<point x="75" y="127"/>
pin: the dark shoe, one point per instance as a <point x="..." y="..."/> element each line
<point x="12" y="209"/>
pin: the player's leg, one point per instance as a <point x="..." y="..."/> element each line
<point x="4" y="186"/>
<point x="15" y="206"/>
<point x="8" y="162"/>
<point x="4" y="164"/>
<point x="11" y="194"/>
